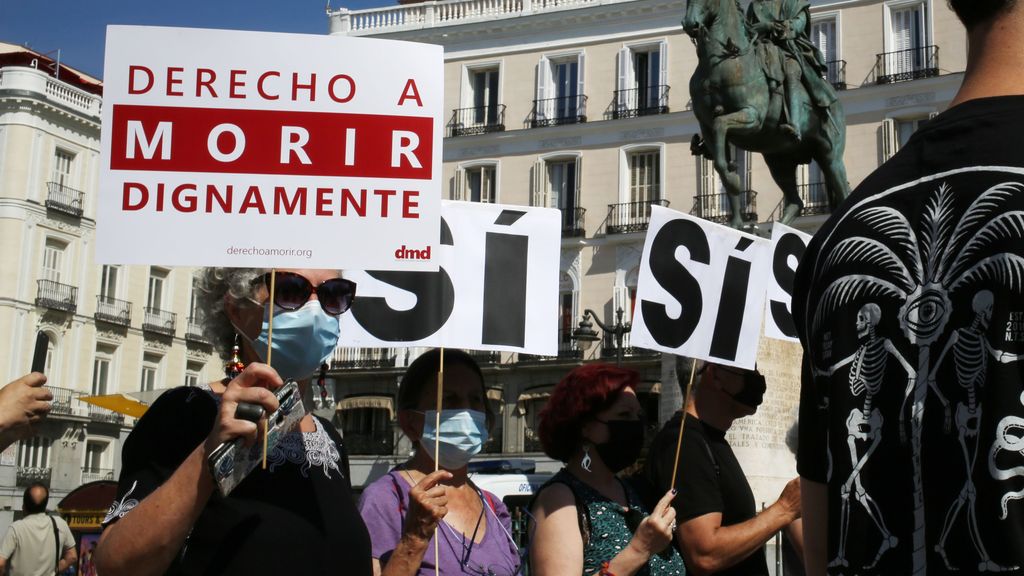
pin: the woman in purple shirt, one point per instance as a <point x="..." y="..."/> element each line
<point x="402" y="508"/>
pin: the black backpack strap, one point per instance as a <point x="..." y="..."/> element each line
<point x="582" y="513"/>
<point x="56" y="545"/>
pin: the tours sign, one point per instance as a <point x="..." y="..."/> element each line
<point x="236" y="148"/>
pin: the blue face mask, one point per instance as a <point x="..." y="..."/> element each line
<point x="303" y="339"/>
<point x="462" y="435"/>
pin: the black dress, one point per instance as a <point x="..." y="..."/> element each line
<point x="296" y="517"/>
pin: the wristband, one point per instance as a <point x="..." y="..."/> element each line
<point x="605" y="571"/>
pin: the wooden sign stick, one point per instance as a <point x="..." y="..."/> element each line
<point x="270" y="351"/>
<point x="437" y="451"/>
<point x="682" y="422"/>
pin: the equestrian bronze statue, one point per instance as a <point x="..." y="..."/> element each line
<point x="759" y="85"/>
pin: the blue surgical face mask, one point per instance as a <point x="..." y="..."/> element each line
<point x="303" y="339"/>
<point x="462" y="434"/>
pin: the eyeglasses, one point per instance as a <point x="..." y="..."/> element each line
<point x="292" y="291"/>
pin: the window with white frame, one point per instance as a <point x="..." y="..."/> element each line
<point x="155" y="294"/>
<point x="34" y="452"/>
<point x="51" y="352"/>
<point x="824" y="37"/>
<point x="560" y="94"/>
<point x="53" y="259"/>
<point x="103" y="370"/>
<point x="150" y="372"/>
<point x="192" y="372"/>
<point x="896" y="132"/>
<point x="713" y="199"/>
<point x="556" y="183"/>
<point x="108" y="282"/>
<point x="97" y="459"/>
<point x="62" y="161"/>
<point x="644" y="175"/>
<point x="568" y="299"/>
<point x="813" y="189"/>
<point x="907" y="38"/>
<point x="483" y="96"/>
<point x="477" y="183"/>
<point x="642" y="80"/>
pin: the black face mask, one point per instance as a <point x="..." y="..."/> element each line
<point x="752" y="393"/>
<point x="625" y="441"/>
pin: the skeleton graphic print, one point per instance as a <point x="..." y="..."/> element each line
<point x="912" y="400"/>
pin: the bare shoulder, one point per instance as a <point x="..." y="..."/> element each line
<point x="553" y="497"/>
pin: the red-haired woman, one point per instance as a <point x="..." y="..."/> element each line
<point x="587" y="520"/>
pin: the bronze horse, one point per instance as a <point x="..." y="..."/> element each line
<point x="735" y="104"/>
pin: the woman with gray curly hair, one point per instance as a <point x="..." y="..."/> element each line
<point x="298" y="515"/>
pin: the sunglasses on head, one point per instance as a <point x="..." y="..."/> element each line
<point x="292" y="291"/>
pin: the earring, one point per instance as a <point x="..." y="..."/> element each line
<point x="585" y="462"/>
<point x="322" y="383"/>
<point x="233" y="368"/>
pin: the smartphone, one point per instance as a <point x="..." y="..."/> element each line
<point x="39" y="356"/>
<point x="231" y="462"/>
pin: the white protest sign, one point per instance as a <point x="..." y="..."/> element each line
<point x="231" y="148"/>
<point x="788" y="247"/>
<point x="496" y="289"/>
<point x="700" y="291"/>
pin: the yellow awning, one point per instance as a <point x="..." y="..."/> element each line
<point x="376" y="402"/>
<point x="118" y="403"/>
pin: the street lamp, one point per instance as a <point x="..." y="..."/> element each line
<point x="585" y="335"/>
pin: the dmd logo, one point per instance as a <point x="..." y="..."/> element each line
<point x="404" y="253"/>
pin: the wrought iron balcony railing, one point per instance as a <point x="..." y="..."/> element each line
<point x="194" y="332"/>
<point x="478" y="120"/>
<point x="159" y="321"/>
<point x="486" y="357"/>
<point x="567" y="351"/>
<point x="572" y="222"/>
<point x="363" y="358"/>
<point x="113" y="311"/>
<point x="64" y="402"/>
<point x="643" y="101"/>
<point x="815" y="197"/>
<point x="904" y="65"/>
<point x="835" y="74"/>
<point x="57" y="296"/>
<point x="64" y="199"/>
<point x="559" y="111"/>
<point x="27" y="475"/>
<point x="98" y="414"/>
<point x="631" y="217"/>
<point x="94" y="474"/>
<point x="715" y="207"/>
<point x="628" y="350"/>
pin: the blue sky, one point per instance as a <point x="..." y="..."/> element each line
<point x="77" y="27"/>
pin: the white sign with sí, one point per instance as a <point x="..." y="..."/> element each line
<point x="700" y="292"/>
<point x="788" y="247"/>
<point x="231" y="148"/>
<point x="496" y="289"/>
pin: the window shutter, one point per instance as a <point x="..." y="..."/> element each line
<point x="747" y="169"/>
<point x="457" y="183"/>
<point x="662" y="73"/>
<point x="577" y="193"/>
<point x="890" y="139"/>
<point x="580" y="110"/>
<point x="539" y="195"/>
<point x="622" y="101"/>
<point x="543" y="88"/>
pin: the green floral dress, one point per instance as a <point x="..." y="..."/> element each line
<point x="608" y="527"/>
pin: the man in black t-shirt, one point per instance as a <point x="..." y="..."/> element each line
<point x="910" y="310"/>
<point x="720" y="531"/>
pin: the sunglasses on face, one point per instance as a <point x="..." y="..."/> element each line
<point x="292" y="291"/>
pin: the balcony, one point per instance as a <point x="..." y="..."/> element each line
<point x="644" y="101"/>
<point x="23" y="79"/>
<point x="608" y="348"/>
<point x="835" y="74"/>
<point x="815" y="197"/>
<point x="159" y="321"/>
<point x="486" y="357"/>
<point x="572" y="222"/>
<point x="559" y="111"/>
<point x="478" y="120"/>
<point x="567" y="351"/>
<point x="631" y="216"/>
<point x="904" y="65"/>
<point x="348" y="358"/>
<point x="97" y="414"/>
<point x="61" y="198"/>
<point x="96" y="474"/>
<point x="57" y="296"/>
<point x="113" y="311"/>
<point x="63" y="402"/>
<point x="194" y="332"/>
<point x="27" y="475"/>
<point x="715" y="207"/>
